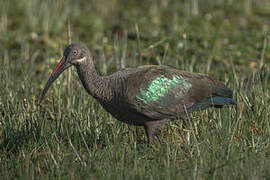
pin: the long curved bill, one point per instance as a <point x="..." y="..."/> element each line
<point x="61" y="66"/>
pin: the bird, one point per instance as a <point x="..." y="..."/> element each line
<point x="148" y="95"/>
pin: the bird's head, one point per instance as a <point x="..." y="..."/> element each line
<point x="75" y="54"/>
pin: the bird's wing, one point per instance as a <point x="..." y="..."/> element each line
<point x="163" y="92"/>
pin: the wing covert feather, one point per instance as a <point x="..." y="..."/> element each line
<point x="164" y="92"/>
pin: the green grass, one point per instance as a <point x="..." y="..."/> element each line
<point x="71" y="136"/>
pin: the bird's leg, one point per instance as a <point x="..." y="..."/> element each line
<point x="151" y="127"/>
<point x="149" y="132"/>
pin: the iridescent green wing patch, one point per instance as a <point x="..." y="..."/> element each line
<point x="163" y="90"/>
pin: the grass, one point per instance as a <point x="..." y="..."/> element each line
<point x="71" y="136"/>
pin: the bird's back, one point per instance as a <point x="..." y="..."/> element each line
<point x="157" y="92"/>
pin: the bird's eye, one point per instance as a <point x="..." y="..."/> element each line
<point x="75" y="52"/>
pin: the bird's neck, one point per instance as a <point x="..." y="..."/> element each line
<point x="96" y="85"/>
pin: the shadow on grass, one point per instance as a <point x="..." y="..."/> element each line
<point x="13" y="140"/>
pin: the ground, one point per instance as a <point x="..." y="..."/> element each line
<point x="71" y="136"/>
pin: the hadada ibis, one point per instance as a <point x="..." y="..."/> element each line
<point x="148" y="96"/>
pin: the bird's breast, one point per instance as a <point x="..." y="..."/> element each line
<point x="122" y="112"/>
